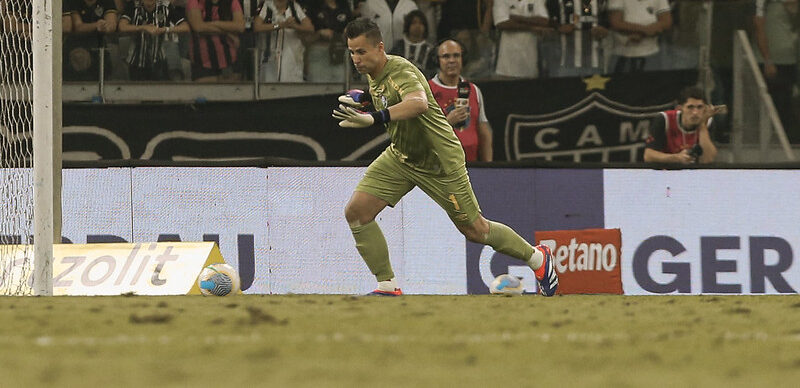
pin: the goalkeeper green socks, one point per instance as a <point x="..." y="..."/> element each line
<point x="505" y="240"/>
<point x="373" y="249"/>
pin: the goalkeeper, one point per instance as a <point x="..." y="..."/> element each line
<point x="424" y="152"/>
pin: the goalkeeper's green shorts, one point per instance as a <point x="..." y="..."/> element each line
<point x="389" y="179"/>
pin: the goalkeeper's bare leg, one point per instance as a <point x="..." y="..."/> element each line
<point x="360" y="213"/>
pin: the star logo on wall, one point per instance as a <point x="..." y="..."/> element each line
<point x="596" y="82"/>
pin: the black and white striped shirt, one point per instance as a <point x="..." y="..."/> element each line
<point x="148" y="48"/>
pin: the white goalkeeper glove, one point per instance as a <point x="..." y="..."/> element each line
<point x="356" y="98"/>
<point x="352" y="118"/>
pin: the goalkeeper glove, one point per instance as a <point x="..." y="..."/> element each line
<point x="356" y="98"/>
<point x="352" y="118"/>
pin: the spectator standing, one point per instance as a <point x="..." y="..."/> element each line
<point x="388" y="15"/>
<point x="249" y="40"/>
<point x="91" y="20"/>
<point x="414" y="45"/>
<point x="287" y="22"/>
<point x="727" y="17"/>
<point x="464" y="113"/>
<point x="150" y="20"/>
<point x="519" y="22"/>
<point x="681" y="44"/>
<point x="637" y="25"/>
<point x="583" y="38"/>
<point x="216" y="25"/>
<point x="682" y="135"/>
<point x="776" y="25"/>
<point x="460" y="15"/>
<point x="66" y="18"/>
<point x="92" y="16"/>
<point x="326" y="48"/>
<point x="432" y="9"/>
<point x="470" y="22"/>
<point x="123" y="4"/>
<point x="15" y="29"/>
<point x="17" y="15"/>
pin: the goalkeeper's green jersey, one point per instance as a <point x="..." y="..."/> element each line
<point x="426" y="142"/>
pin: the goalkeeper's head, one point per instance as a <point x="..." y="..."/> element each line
<point x="365" y="44"/>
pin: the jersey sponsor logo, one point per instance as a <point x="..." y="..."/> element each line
<point x="587" y="261"/>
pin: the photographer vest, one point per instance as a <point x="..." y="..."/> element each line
<point x="678" y="139"/>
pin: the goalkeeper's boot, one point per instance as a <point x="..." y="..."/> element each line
<point x="387" y="288"/>
<point x="546" y="275"/>
<point x="378" y="292"/>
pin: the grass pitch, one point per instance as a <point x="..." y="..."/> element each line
<point x="412" y="341"/>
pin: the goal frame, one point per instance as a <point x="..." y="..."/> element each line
<point x="46" y="101"/>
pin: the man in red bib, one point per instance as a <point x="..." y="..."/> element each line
<point x="462" y="103"/>
<point x="682" y="135"/>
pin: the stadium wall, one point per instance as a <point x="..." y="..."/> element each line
<point x="588" y="119"/>
<point x="683" y="232"/>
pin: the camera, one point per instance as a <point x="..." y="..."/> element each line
<point x="696" y="151"/>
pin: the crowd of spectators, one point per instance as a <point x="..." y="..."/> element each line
<point x="300" y="40"/>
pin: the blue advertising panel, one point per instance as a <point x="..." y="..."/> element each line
<point x="528" y="200"/>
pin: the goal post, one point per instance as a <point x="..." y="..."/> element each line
<point x="30" y="144"/>
<point x="46" y="45"/>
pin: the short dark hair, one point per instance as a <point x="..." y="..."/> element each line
<point x="691" y="92"/>
<point x="364" y="27"/>
<point x="408" y="19"/>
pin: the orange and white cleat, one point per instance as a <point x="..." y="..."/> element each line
<point x="546" y="275"/>
<point x="379" y="292"/>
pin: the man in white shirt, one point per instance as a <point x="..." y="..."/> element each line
<point x="637" y="25"/>
<point x="388" y="15"/>
<point x="777" y="40"/>
<point x="584" y="39"/>
<point x="519" y="21"/>
<point x="286" y="22"/>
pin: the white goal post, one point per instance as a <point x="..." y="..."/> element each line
<point x="30" y="144"/>
<point x="46" y="44"/>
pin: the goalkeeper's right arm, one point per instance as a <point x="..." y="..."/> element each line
<point x="356" y="98"/>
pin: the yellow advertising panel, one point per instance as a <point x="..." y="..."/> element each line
<point x="163" y="268"/>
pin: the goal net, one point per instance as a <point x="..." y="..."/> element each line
<point x="30" y="105"/>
